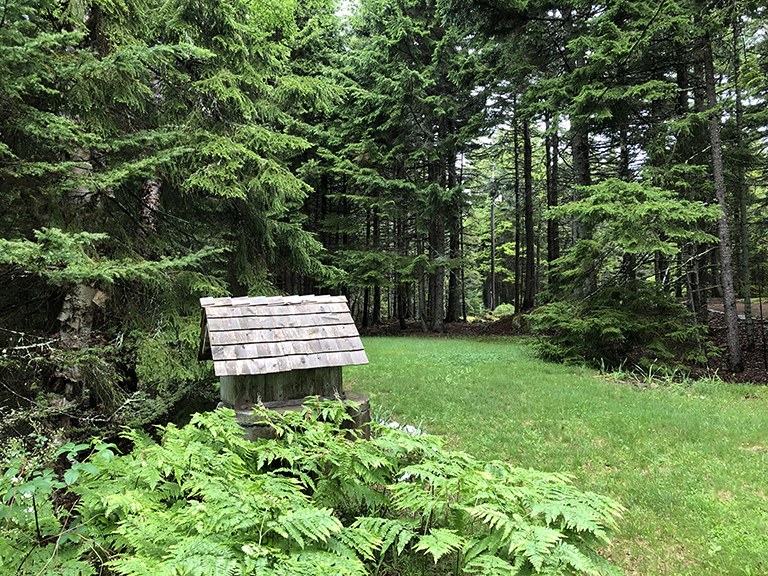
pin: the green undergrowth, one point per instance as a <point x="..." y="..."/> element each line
<point x="315" y="500"/>
<point x="687" y="459"/>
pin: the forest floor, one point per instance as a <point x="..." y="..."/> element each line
<point x="755" y="359"/>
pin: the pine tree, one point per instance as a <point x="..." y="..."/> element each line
<point x="137" y="141"/>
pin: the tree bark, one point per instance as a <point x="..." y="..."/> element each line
<point x="453" y="313"/>
<point x="553" y="238"/>
<point x="453" y="310"/>
<point x="530" y="246"/>
<point x="376" y="312"/>
<point x="151" y="206"/>
<point x="735" y="362"/>
<point x="741" y="190"/>
<point x="437" y="278"/>
<point x="517" y="292"/>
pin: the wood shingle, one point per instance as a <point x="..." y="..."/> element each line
<point x="265" y="335"/>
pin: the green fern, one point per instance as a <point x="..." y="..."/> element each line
<point x="439" y="542"/>
<point x="308" y="525"/>
<point x="206" y="501"/>
<point x="490" y="565"/>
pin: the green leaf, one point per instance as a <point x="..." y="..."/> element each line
<point x="439" y="542"/>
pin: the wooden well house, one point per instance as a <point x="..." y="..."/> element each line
<point x="277" y="351"/>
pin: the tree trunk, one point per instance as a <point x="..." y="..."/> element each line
<point x="422" y="297"/>
<point x="530" y="246"/>
<point x="735" y="362"/>
<point x="366" y="304"/>
<point x="151" y="206"/>
<point x="454" y="286"/>
<point x="492" y="281"/>
<point x="376" y="312"/>
<point x="437" y="278"/>
<point x="629" y="260"/>
<point x="453" y="311"/>
<point x="741" y="189"/>
<point x="517" y="291"/>
<point x="553" y="238"/>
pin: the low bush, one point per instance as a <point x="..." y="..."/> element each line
<point x="616" y="323"/>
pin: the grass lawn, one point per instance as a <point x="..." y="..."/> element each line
<point x="689" y="463"/>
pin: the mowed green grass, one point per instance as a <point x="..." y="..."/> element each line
<point x="688" y="462"/>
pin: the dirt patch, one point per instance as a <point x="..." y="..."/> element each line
<point x="716" y="304"/>
<point x="755" y="358"/>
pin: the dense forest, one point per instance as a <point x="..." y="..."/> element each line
<point x="597" y="165"/>
<point x="596" y="169"/>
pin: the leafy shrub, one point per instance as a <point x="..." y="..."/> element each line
<point x="313" y="501"/>
<point x="37" y="533"/>
<point x="616" y="323"/>
<point x="503" y="310"/>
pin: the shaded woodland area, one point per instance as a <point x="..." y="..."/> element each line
<point x="598" y="165"/>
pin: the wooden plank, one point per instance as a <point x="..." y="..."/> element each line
<point x="218" y="324"/>
<point x="207" y="302"/>
<point x="305" y="361"/>
<point x="295" y="347"/>
<point x="358" y="357"/>
<point x="239" y="352"/>
<point x="225" y="322"/>
<point x="286" y="348"/>
<point x="281" y="310"/>
<point x="340" y="332"/>
<point x="266" y="365"/>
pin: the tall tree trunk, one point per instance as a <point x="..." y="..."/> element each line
<point x="81" y="301"/>
<point x="700" y="105"/>
<point x="492" y="281"/>
<point x="553" y="238"/>
<point x="367" y="290"/>
<point x="530" y="246"/>
<point x="741" y="187"/>
<point x="376" y="312"/>
<point x="437" y="278"/>
<point x="518" y="292"/>
<point x="735" y="362"/>
<point x="422" y="297"/>
<point x="453" y="311"/>
<point x="691" y="253"/>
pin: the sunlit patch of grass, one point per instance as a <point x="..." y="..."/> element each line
<point x="688" y="459"/>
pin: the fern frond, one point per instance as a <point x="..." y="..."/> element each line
<point x="416" y="498"/>
<point x="439" y="542"/>
<point x="565" y="554"/>
<point x="310" y="523"/>
<point x="315" y="562"/>
<point x="490" y="565"/>
<point x="201" y="556"/>
<point x="533" y="542"/>
<point x="388" y="532"/>
<point x="359" y="541"/>
<point x="585" y="513"/>
<point x="496" y="520"/>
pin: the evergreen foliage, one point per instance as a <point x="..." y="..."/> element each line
<point x="145" y="158"/>
<point x="206" y="501"/>
<point x="626" y="316"/>
<point x="632" y="322"/>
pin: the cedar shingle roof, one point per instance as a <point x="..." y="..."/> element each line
<point x="265" y="335"/>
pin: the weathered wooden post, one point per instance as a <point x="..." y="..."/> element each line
<point x="277" y="351"/>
